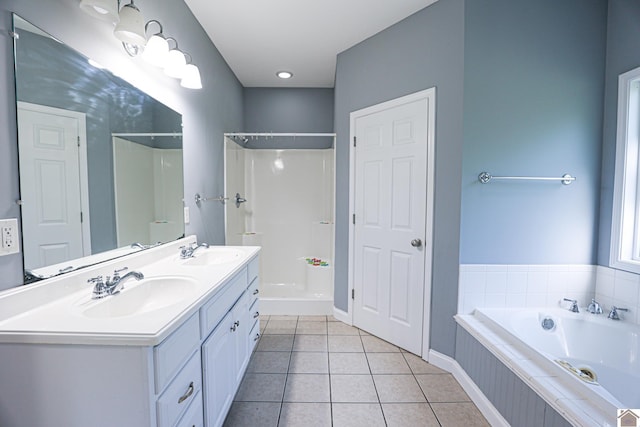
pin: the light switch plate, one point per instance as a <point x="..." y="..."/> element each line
<point x="186" y="215"/>
<point x="9" y="241"/>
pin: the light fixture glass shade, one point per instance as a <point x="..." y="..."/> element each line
<point x="105" y="10"/>
<point x="175" y="64"/>
<point x="156" y="51"/>
<point x="130" y="29"/>
<point x="191" y="77"/>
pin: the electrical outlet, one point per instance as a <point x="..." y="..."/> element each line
<point x="9" y="242"/>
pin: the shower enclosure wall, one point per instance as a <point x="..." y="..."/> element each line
<point x="289" y="212"/>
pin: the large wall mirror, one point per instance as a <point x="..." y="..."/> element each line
<point x="100" y="161"/>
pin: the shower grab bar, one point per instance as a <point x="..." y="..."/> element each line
<point x="566" y="179"/>
<point x="199" y="199"/>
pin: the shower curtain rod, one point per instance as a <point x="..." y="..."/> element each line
<point x="151" y="134"/>
<point x="273" y="134"/>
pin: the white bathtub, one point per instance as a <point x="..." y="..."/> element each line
<point x="576" y="342"/>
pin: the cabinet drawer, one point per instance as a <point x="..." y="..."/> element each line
<point x="194" y="415"/>
<point x="171" y="353"/>
<point x="254" y="336"/>
<point x="217" y="307"/>
<point x="253" y="290"/>
<point x="183" y="390"/>
<point x="253" y="269"/>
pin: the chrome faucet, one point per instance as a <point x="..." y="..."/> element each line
<point x="112" y="286"/>
<point x="594" y="307"/>
<point x="138" y="246"/>
<point x="188" y="251"/>
<point x="613" y="314"/>
<point x="574" y="305"/>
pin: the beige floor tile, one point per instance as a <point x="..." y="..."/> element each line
<point x="280" y="327"/>
<point x="441" y="388"/>
<point x="409" y="414"/>
<point x="364" y="333"/>
<point x="261" y="388"/>
<point x="459" y="414"/>
<point x="387" y="363"/>
<point x="279" y="317"/>
<point x="269" y="362"/>
<point x="419" y="366"/>
<point x="376" y="345"/>
<point x="311" y="328"/>
<point x="357" y="415"/>
<point x="398" y="388"/>
<point x="264" y="318"/>
<point x="251" y="414"/>
<point x="309" y="363"/>
<point x="312" y="318"/>
<point x="353" y="389"/>
<point x="310" y="343"/>
<point x="332" y="319"/>
<point x="307" y="388"/>
<point x="345" y="344"/>
<point x="305" y="415"/>
<point x="275" y="343"/>
<point x="348" y="363"/>
<point x="339" y="328"/>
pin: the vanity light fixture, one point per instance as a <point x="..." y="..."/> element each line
<point x="104" y="10"/>
<point x="191" y="77"/>
<point x="175" y="63"/>
<point x="157" y="48"/>
<point x="284" y="74"/>
<point x="130" y="29"/>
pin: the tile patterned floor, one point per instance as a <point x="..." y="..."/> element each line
<point x="316" y="371"/>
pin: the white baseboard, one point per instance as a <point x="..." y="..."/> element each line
<point x="484" y="405"/>
<point x="342" y="316"/>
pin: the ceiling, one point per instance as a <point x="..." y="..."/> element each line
<point x="257" y="38"/>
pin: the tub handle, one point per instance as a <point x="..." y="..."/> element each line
<point x="613" y="315"/>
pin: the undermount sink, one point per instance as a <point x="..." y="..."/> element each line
<point x="214" y="256"/>
<point x="144" y="296"/>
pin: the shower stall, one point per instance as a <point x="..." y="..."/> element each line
<point x="283" y="201"/>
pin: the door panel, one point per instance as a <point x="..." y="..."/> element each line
<point x="390" y="208"/>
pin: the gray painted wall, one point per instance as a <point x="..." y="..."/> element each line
<point x="207" y="113"/>
<point x="423" y="51"/>
<point x="289" y="110"/>
<point x="533" y="86"/>
<point x="623" y="33"/>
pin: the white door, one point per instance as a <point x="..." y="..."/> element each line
<point x="50" y="185"/>
<point x="391" y="206"/>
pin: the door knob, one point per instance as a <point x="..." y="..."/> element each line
<point x="416" y="243"/>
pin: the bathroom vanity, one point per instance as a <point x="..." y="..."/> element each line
<point x="168" y="350"/>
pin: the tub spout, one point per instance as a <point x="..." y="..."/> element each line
<point x="574" y="305"/>
<point x="594" y="307"/>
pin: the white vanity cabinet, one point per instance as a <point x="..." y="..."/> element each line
<point x="186" y="380"/>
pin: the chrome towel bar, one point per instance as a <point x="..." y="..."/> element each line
<point x="566" y="179"/>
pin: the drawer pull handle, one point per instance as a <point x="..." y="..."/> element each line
<point x="256" y="314"/>
<point x="237" y="323"/>
<point x="256" y="291"/>
<point x="187" y="394"/>
<point x="257" y="337"/>
<point x="233" y="328"/>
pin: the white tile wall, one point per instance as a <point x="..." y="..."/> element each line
<point x="619" y="288"/>
<point x="524" y="285"/>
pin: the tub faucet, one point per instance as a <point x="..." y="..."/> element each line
<point x="594" y="307"/>
<point x="112" y="286"/>
<point x="574" y="305"/>
<point x="613" y="314"/>
<point x="187" y="251"/>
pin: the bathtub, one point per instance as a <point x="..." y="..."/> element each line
<point x="593" y="359"/>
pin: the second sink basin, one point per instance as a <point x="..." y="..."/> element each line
<point x="214" y="256"/>
<point x="144" y="296"/>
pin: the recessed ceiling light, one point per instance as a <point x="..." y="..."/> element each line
<point x="284" y="74"/>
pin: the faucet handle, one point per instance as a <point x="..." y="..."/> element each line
<point x="97" y="279"/>
<point x="574" y="305"/>
<point x="116" y="273"/>
<point x="613" y="314"/>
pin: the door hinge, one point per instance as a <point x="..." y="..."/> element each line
<point x="354" y="141"/>
<point x="353" y="294"/>
<point x="81" y="217"/>
<point x="353" y="219"/>
<point x="78" y="141"/>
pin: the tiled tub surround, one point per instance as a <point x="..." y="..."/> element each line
<point x="619" y="288"/>
<point x="315" y="371"/>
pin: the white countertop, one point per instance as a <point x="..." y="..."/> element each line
<point x="53" y="311"/>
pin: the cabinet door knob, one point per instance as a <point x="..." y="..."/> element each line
<point x="188" y="393"/>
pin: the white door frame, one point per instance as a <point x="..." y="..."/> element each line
<point x="82" y="160"/>
<point x="429" y="96"/>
